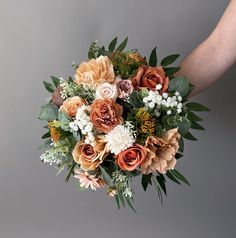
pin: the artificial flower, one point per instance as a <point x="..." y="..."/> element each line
<point x="125" y="88"/>
<point x="56" y="96"/>
<point x="106" y="114"/>
<point x="106" y="90"/>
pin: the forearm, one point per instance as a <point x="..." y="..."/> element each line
<point x="211" y="59"/>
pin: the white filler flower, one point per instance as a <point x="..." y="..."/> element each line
<point x="120" y="138"/>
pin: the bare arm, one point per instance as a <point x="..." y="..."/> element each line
<point x="211" y="59"/>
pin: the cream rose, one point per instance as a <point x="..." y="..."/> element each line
<point x="95" y="72"/>
<point x="106" y="90"/>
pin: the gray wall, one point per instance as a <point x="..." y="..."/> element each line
<point x="40" y="38"/>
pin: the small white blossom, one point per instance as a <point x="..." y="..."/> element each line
<point x="158" y="87"/>
<point x="165" y="95"/>
<point x="168" y="112"/>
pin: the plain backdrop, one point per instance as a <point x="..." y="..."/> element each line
<point x="42" y="38"/>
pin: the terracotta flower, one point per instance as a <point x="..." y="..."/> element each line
<point x="95" y="72"/>
<point x="150" y="77"/>
<point x="106" y="114"/>
<point x="56" y="96"/>
<point x="89" y="157"/>
<point x="161" y="153"/>
<point x="132" y="157"/>
<point x="70" y="106"/>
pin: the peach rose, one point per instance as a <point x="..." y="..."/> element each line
<point x="70" y="106"/>
<point x="95" y="72"/>
<point x="132" y="157"/>
<point x="161" y="153"/>
<point x="106" y="114"/>
<point x="106" y="90"/>
<point x="150" y="77"/>
<point x="89" y="157"/>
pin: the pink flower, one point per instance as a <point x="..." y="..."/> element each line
<point x="106" y="90"/>
<point x="88" y="181"/>
<point x="125" y="88"/>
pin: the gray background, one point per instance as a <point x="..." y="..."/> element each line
<point x="40" y="38"/>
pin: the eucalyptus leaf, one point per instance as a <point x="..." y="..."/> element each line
<point x="107" y="178"/>
<point x="117" y="201"/>
<point x="179" y="84"/>
<point x="184" y="126"/>
<point x="65" y="121"/>
<point x="129" y="202"/>
<point x="48" y="112"/>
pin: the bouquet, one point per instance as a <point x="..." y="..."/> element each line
<point x="121" y="116"/>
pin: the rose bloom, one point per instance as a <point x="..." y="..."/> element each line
<point x="56" y="96"/>
<point x="89" y="157"/>
<point x="70" y="106"/>
<point x="161" y="153"/>
<point x="125" y="88"/>
<point x="106" y="114"/>
<point x="106" y="90"/>
<point x="150" y="77"/>
<point x="132" y="157"/>
<point x="95" y="72"/>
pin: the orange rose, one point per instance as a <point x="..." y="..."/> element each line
<point x="161" y="152"/>
<point x="150" y="77"/>
<point x="70" y="106"/>
<point x="132" y="157"/>
<point x="89" y="157"/>
<point x="106" y="114"/>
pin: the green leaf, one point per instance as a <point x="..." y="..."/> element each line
<point x="191" y="87"/>
<point x="179" y="176"/>
<point x="161" y="183"/>
<point x="101" y="51"/>
<point x="117" y="201"/>
<point x="194" y="106"/>
<point x="48" y="112"/>
<point x="171" y="177"/>
<point x="107" y="178"/>
<point x="184" y="126"/>
<point x="179" y="84"/>
<point x="49" y="87"/>
<point x="71" y="172"/>
<point x="92" y="50"/>
<point x="170" y="71"/>
<point x="178" y="156"/>
<point x="129" y="202"/>
<point x="121" y="197"/>
<point x="153" y="58"/>
<point x="112" y="45"/>
<point x="169" y="59"/>
<point x="46" y="135"/>
<point x="181" y="144"/>
<point x="196" y="126"/>
<point x="122" y="46"/>
<point x="65" y="121"/>
<point x="189" y="136"/>
<point x="146" y="179"/>
<point x="193" y="117"/>
<point x="55" y="80"/>
<point x="136" y="100"/>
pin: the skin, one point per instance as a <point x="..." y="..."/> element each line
<point x="213" y="57"/>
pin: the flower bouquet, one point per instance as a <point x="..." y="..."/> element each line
<point x="120" y="117"/>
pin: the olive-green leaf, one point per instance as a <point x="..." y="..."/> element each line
<point x="184" y="126"/>
<point x="153" y="58"/>
<point x="49" y="87"/>
<point x="48" y="112"/>
<point x="197" y="126"/>
<point x="179" y="84"/>
<point x="169" y="59"/>
<point x="162" y="183"/>
<point x="112" y="45"/>
<point x="122" y="46"/>
<point x="179" y="176"/>
<point x="189" y="136"/>
<point x="193" y="117"/>
<point x="194" y="106"/>
<point x="107" y="178"/>
<point x="170" y="71"/>
<point x="55" y="80"/>
<point x="172" y="177"/>
<point x="146" y="179"/>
